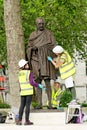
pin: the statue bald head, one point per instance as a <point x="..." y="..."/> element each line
<point x="40" y="23"/>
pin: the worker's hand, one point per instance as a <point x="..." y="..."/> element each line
<point x="42" y="87"/>
<point x="49" y="58"/>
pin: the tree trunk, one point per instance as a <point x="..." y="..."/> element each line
<point x="15" y="46"/>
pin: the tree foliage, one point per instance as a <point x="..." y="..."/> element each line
<point x="66" y="18"/>
<point x="3" y="50"/>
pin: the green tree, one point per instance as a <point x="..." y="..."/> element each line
<point x="66" y="18"/>
<point x="3" y="50"/>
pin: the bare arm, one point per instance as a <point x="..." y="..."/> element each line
<point x="56" y="64"/>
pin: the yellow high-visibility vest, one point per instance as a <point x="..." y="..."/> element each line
<point x="26" y="87"/>
<point x="68" y="68"/>
<point x="54" y="100"/>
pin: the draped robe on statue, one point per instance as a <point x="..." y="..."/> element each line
<point x="40" y="46"/>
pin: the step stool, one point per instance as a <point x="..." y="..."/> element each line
<point x="70" y="112"/>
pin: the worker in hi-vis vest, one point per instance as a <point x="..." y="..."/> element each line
<point x="56" y="93"/>
<point x="66" y="66"/>
<point x="26" y="83"/>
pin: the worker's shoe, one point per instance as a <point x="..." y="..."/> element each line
<point x="19" y="122"/>
<point x="28" y="123"/>
<point x="72" y="102"/>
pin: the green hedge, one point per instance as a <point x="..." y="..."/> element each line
<point x="66" y="97"/>
<point x="4" y="105"/>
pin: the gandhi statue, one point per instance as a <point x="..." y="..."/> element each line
<point x="40" y="45"/>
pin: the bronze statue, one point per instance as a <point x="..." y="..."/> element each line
<point x="40" y="45"/>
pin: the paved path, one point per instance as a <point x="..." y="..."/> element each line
<point x="46" y="121"/>
<point x="44" y="127"/>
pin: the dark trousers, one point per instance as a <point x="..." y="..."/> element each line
<point x="25" y="102"/>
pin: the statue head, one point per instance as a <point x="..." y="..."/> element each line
<point x="40" y="23"/>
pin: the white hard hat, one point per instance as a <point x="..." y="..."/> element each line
<point x="58" y="80"/>
<point x="22" y="63"/>
<point x="58" y="49"/>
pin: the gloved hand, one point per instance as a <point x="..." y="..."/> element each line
<point x="41" y="86"/>
<point x="49" y="58"/>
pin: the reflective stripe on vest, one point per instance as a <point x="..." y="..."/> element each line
<point x="67" y="69"/>
<point x="26" y="87"/>
<point x="55" y="95"/>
